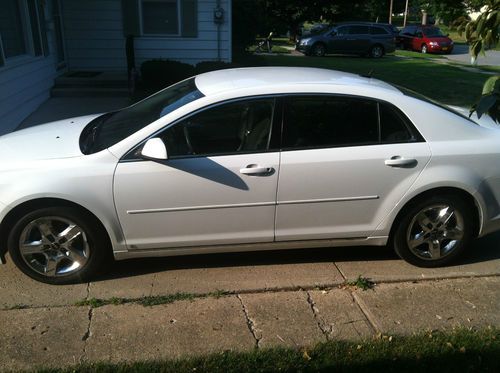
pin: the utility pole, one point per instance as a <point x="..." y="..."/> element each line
<point x="406" y="13"/>
<point x="390" y="11"/>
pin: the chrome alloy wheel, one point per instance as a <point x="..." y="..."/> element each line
<point x="435" y="232"/>
<point x="377" y="52"/>
<point x="54" y="246"/>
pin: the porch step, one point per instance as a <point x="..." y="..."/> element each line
<point x="83" y="91"/>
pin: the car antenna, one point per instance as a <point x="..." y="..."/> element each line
<point x="369" y="75"/>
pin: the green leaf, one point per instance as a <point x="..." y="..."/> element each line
<point x="492" y="85"/>
<point x="484" y="104"/>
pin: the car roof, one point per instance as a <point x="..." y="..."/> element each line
<point x="219" y="81"/>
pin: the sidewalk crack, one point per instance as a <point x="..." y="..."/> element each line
<point x="366" y="312"/>
<point x="321" y="325"/>
<point x="250" y="322"/>
<point x="87" y="335"/>
<point x="340" y="271"/>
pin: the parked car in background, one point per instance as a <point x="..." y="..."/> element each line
<point x="361" y="38"/>
<point x="426" y="39"/>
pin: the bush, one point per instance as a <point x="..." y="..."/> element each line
<point x="162" y="73"/>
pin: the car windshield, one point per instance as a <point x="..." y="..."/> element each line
<point x="433" y="32"/>
<point x="110" y="128"/>
<point x="410" y="93"/>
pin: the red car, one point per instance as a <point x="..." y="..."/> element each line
<point x="426" y="39"/>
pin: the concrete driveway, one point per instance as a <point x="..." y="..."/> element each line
<point x="461" y="54"/>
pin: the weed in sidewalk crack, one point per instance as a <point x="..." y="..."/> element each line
<point x="362" y="283"/>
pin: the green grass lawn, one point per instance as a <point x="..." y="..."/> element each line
<point x="445" y="83"/>
<point x="457" y="351"/>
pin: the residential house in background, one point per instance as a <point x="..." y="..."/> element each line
<point x="43" y="39"/>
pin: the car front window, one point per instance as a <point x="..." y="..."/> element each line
<point x="111" y="128"/>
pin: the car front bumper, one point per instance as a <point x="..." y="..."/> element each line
<point x="304" y="48"/>
<point x="440" y="49"/>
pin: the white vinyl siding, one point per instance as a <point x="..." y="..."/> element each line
<point x="95" y="41"/>
<point x="25" y="83"/>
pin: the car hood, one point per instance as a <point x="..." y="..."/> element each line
<point x="47" y="141"/>
<point x="439" y="39"/>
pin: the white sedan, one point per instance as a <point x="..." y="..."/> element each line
<point x="249" y="159"/>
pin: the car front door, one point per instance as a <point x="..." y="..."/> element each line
<point x="337" y="40"/>
<point x="218" y="185"/>
<point x="342" y="168"/>
<point x="358" y="40"/>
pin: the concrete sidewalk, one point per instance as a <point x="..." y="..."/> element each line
<point x="256" y="300"/>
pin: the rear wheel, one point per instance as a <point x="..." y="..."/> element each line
<point x="377" y="51"/>
<point x="58" y="245"/>
<point x="318" y="50"/>
<point x="434" y="231"/>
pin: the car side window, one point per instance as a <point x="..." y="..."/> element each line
<point x="242" y="126"/>
<point x="342" y="31"/>
<point x="394" y="126"/>
<point x="378" y="31"/>
<point x="328" y="121"/>
<point x="359" y="30"/>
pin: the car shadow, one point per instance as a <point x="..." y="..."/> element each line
<point x="481" y="250"/>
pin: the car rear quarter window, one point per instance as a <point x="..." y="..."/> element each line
<point x="329" y="121"/>
<point x="394" y="126"/>
<point x="378" y="31"/>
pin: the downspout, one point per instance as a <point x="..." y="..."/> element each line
<point x="218" y="34"/>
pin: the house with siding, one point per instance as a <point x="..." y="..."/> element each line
<point x="41" y="40"/>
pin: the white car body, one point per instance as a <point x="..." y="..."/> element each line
<point x="316" y="197"/>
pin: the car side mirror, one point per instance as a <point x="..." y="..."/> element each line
<point x="154" y="149"/>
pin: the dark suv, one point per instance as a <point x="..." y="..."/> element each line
<point x="362" y="38"/>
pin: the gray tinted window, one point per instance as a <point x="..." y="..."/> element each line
<point x="358" y="30"/>
<point x="393" y="125"/>
<point x="243" y="126"/>
<point x="326" y="121"/>
<point x="379" y="31"/>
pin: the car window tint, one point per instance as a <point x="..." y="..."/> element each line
<point x="230" y="128"/>
<point x="359" y="30"/>
<point x="324" y="121"/>
<point x="393" y="126"/>
<point x="343" y="30"/>
<point x="378" y="31"/>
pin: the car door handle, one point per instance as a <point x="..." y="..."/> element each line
<point x="253" y="169"/>
<point x="398" y="161"/>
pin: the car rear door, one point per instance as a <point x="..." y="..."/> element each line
<point x="358" y="40"/>
<point x="218" y="185"/>
<point x="342" y="169"/>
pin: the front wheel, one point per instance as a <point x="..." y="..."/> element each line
<point x="318" y="50"/>
<point x="433" y="232"/>
<point x="424" y="49"/>
<point x="58" y="245"/>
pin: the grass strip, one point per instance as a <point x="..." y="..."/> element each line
<point x="460" y="350"/>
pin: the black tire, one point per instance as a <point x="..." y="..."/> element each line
<point x="404" y="232"/>
<point x="318" y="50"/>
<point x="95" y="239"/>
<point x="377" y="51"/>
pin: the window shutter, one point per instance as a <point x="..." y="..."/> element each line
<point x="189" y="18"/>
<point x="43" y="29"/>
<point x="130" y="13"/>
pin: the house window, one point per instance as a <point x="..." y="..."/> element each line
<point x="22" y="29"/>
<point x="160" y="17"/>
<point x="12" y="29"/>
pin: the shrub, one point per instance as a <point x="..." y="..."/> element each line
<point x="162" y="73"/>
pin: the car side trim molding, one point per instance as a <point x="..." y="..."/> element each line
<point x="256" y="204"/>
<point x="191" y="208"/>
<point x="340" y="199"/>
<point x="263" y="246"/>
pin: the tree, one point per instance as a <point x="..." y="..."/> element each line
<point x="481" y="33"/>
<point x="484" y="31"/>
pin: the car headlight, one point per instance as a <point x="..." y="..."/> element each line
<point x="433" y="43"/>
<point x="305" y="41"/>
